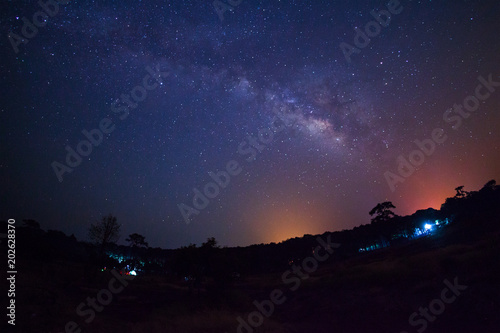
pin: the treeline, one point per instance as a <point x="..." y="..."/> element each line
<point x="465" y="217"/>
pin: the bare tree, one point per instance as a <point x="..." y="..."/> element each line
<point x="105" y="232"/>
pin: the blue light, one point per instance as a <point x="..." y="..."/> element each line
<point x="427" y="226"/>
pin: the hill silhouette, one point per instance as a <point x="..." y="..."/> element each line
<point x="375" y="277"/>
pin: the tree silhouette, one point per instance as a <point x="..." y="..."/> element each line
<point x="383" y="211"/>
<point x="137" y="240"/>
<point x="210" y="243"/>
<point x="460" y="192"/>
<point x="105" y="232"/>
<point x="489" y="186"/>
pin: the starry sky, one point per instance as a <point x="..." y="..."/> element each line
<point x="259" y="97"/>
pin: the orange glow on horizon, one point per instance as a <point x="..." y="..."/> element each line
<point x="283" y="224"/>
<point x="422" y="196"/>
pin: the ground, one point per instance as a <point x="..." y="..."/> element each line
<point x="373" y="292"/>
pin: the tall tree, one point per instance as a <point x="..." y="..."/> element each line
<point x="104" y="232"/>
<point x="136" y="240"/>
<point x="383" y="212"/>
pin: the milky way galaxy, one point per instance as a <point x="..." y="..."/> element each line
<point x="179" y="91"/>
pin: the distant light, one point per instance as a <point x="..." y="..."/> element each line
<point x="427" y="226"/>
<point x="133" y="273"/>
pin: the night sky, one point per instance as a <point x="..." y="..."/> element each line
<point x="308" y="138"/>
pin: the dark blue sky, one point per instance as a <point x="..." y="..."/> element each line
<point x="310" y="139"/>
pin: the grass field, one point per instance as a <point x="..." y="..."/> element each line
<point x="372" y="292"/>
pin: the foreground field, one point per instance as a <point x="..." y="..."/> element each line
<point x="375" y="292"/>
